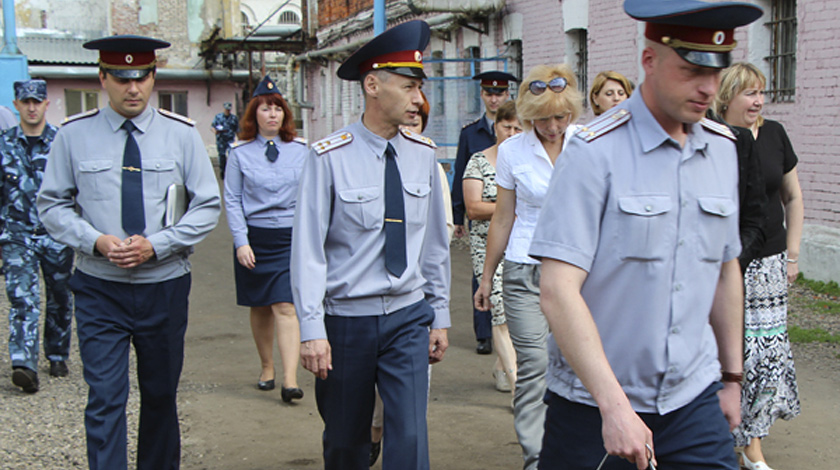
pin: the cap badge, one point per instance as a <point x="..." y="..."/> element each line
<point x="719" y="37"/>
<point x="270" y="86"/>
<point x="495" y="83"/>
<point x="418" y="56"/>
<point x="129" y="58"/>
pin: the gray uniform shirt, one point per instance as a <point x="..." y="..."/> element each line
<point x="651" y="223"/>
<point x="80" y="196"/>
<point x="338" y="264"/>
<point x="259" y="192"/>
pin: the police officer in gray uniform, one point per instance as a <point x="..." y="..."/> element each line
<point x="105" y="194"/>
<point x="370" y="262"/>
<point x="642" y="287"/>
<point x="26" y="245"/>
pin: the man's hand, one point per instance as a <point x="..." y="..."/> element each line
<point x="316" y="357"/>
<point x="730" y="403"/>
<point x="133" y="251"/>
<point x="481" y="300"/>
<point x="459" y="232"/>
<point x="438" y="342"/>
<point x="627" y="436"/>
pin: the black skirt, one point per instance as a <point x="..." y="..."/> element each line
<point x="269" y="282"/>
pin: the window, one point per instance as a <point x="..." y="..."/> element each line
<point x="288" y="17"/>
<point x="437" y="104"/>
<point x="79" y="101"/>
<point x="339" y="93"/>
<point x="782" y="58"/>
<point x="473" y="90"/>
<point x="580" y="59"/>
<point x="246" y="25"/>
<point x="175" y="101"/>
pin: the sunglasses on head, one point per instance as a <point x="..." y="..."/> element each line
<point x="556" y="85"/>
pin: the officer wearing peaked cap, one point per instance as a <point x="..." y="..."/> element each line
<point x="143" y="162"/>
<point x="370" y="262"/>
<point x="475" y="137"/>
<point x="653" y="249"/>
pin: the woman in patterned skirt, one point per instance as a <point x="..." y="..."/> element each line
<point x="769" y="387"/>
<point x="480" y="200"/>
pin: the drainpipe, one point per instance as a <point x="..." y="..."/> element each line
<point x="13" y="64"/>
<point x="378" y="17"/>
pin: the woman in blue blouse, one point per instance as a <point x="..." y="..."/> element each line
<point x="261" y="181"/>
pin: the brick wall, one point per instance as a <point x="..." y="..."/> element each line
<point x="330" y="11"/>
<point x="543" y="38"/>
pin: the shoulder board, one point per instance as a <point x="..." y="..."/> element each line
<point x="603" y="125"/>
<point x="332" y="142"/>
<point x="240" y="142"/>
<point x="76" y="117"/>
<point x="718" y="128"/>
<point x="472" y="122"/>
<point x="418" y="138"/>
<point x="299" y="140"/>
<point x="176" y="117"/>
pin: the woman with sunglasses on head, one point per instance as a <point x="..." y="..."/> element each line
<point x="548" y="103"/>
<point x="480" y="201"/>
<point x="608" y="89"/>
<point x="261" y="181"/>
<point x="769" y="389"/>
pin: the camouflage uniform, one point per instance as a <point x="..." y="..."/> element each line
<point x="25" y="244"/>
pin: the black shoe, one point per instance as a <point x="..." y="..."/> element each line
<point x="27" y="379"/>
<point x="266" y="384"/>
<point x="58" y="369"/>
<point x="485" y="346"/>
<point x="375" y="448"/>
<point x="289" y="394"/>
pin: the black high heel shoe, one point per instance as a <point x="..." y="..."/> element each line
<point x="265" y="385"/>
<point x="289" y="394"/>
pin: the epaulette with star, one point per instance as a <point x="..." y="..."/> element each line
<point x="418" y="138"/>
<point x="299" y="140"/>
<point x="239" y="143"/>
<point x="176" y="117"/>
<point x="332" y="142"/>
<point x="611" y="120"/>
<point x="76" y="117"/>
<point x="718" y="128"/>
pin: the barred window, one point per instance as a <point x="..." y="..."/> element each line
<point x="473" y="101"/>
<point x="288" y="17"/>
<point x="782" y="58"/>
<point x="581" y="59"/>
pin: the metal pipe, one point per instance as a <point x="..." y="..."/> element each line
<point x="378" y="17"/>
<point x="9" y="30"/>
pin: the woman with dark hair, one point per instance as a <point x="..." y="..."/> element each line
<point x="261" y="184"/>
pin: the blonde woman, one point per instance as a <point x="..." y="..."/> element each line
<point x="608" y="89"/>
<point x="769" y="388"/>
<point x="548" y="105"/>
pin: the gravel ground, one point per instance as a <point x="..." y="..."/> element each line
<point x="46" y="430"/>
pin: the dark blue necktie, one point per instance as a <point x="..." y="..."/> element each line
<point x="271" y="151"/>
<point x="395" y="261"/>
<point x="133" y="213"/>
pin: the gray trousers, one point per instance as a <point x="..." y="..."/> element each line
<point x="529" y="333"/>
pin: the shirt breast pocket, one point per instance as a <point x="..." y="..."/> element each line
<point x="416" y="202"/>
<point x="92" y="179"/>
<point x="715" y="215"/>
<point x="162" y="173"/>
<point x="363" y="207"/>
<point x="643" y="230"/>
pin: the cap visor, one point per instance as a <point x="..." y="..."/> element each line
<point x="413" y="72"/>
<point x="715" y="60"/>
<point x="37" y="98"/>
<point x="129" y="73"/>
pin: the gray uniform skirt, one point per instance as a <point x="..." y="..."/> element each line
<point x="269" y="282"/>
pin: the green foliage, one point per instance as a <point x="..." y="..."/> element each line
<point x="812" y="335"/>
<point x="828" y="288"/>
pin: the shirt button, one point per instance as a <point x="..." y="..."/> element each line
<point x="675" y="330"/>
<point x="678" y="287"/>
<point x="672" y="370"/>
<point x="648" y="208"/>
<point x="682" y="242"/>
<point x="684" y="203"/>
<point x="157" y="165"/>
<point x="359" y="197"/>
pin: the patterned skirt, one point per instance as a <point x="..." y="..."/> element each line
<point x="769" y="390"/>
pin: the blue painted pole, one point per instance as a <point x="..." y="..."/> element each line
<point x="13" y="64"/>
<point x="378" y="17"/>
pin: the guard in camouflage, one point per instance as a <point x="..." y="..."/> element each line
<point x="26" y="245"/>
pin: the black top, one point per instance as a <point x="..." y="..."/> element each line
<point x="751" y="190"/>
<point x="777" y="159"/>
